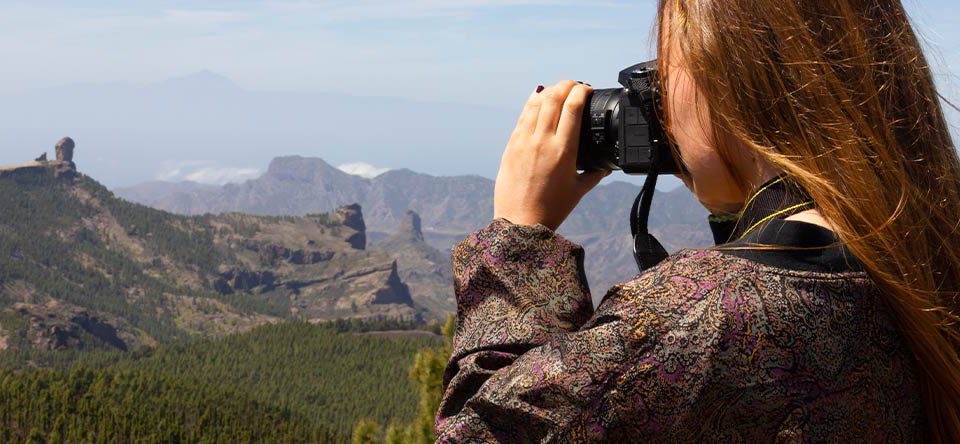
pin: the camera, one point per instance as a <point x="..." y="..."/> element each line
<point x="621" y="128"/>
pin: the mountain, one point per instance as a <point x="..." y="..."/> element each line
<point x="450" y="207"/>
<point x="82" y="269"/>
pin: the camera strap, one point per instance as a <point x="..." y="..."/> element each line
<point x="647" y="250"/>
<point x="779" y="198"/>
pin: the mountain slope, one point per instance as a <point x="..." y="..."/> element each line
<point x="82" y="269"/>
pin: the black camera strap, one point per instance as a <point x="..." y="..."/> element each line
<point x="779" y="198"/>
<point x="647" y="250"/>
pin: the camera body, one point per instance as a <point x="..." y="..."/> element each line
<point x="621" y="128"/>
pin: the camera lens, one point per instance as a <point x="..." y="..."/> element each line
<point x="600" y="131"/>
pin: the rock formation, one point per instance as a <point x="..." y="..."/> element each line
<point x="57" y="325"/>
<point x="42" y="158"/>
<point x="410" y="226"/>
<point x="65" y="149"/>
<point x="237" y="280"/>
<point x="426" y="271"/>
<point x="394" y="291"/>
<point x="352" y="216"/>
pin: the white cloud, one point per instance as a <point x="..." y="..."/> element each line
<point x="205" y="172"/>
<point x="362" y="169"/>
<point x="222" y="175"/>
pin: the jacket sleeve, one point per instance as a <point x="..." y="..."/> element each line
<point x="531" y="362"/>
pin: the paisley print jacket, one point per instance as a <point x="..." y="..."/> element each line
<point x="723" y="346"/>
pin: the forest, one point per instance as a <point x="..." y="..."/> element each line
<point x="290" y="382"/>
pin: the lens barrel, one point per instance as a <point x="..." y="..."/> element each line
<point x="599" y="131"/>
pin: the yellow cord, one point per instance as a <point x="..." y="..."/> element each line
<point x="774" y="215"/>
<point x="749" y="201"/>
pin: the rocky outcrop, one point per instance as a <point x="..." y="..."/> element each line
<point x="394" y="291"/>
<point x="59" y="170"/>
<point x="236" y="280"/>
<point x="274" y="254"/>
<point x="59" y="326"/>
<point x="352" y="216"/>
<point x="410" y="226"/>
<point x="65" y="149"/>
<point x="426" y="270"/>
<point x="63" y="167"/>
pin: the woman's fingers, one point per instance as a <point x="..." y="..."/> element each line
<point x="553" y="99"/>
<point x="537" y="181"/>
<point x="527" y="122"/>
<point x="571" y="116"/>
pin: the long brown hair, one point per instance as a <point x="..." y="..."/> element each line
<point x="839" y="96"/>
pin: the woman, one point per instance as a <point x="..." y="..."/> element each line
<point x="829" y="314"/>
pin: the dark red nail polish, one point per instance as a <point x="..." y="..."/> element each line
<point x="579" y="82"/>
<point x="539" y="89"/>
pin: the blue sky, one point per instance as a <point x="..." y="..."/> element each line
<point x="468" y="51"/>
<point x="487" y="52"/>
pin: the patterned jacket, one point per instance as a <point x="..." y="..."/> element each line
<point x="709" y="346"/>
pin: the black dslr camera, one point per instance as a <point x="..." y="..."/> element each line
<point x="621" y="127"/>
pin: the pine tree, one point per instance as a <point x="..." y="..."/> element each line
<point x="366" y="432"/>
<point x="395" y="435"/>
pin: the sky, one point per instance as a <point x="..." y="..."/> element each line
<point x="489" y="53"/>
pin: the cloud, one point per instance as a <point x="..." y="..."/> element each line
<point x="205" y="172"/>
<point x="362" y="169"/>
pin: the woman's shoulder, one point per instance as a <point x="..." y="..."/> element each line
<point x="756" y="310"/>
<point x="733" y="283"/>
<point x="712" y="294"/>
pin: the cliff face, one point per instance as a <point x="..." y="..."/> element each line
<point x="352" y="216"/>
<point x="82" y="269"/>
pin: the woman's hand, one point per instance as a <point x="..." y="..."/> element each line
<point x="538" y="181"/>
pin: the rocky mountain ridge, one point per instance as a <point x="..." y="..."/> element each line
<point x="450" y="208"/>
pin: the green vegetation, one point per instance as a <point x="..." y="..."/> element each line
<point x="427" y="372"/>
<point x="184" y="240"/>
<point x="298" y="371"/>
<point x="366" y="432"/>
<point x="97" y="406"/>
<point x="41" y="242"/>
